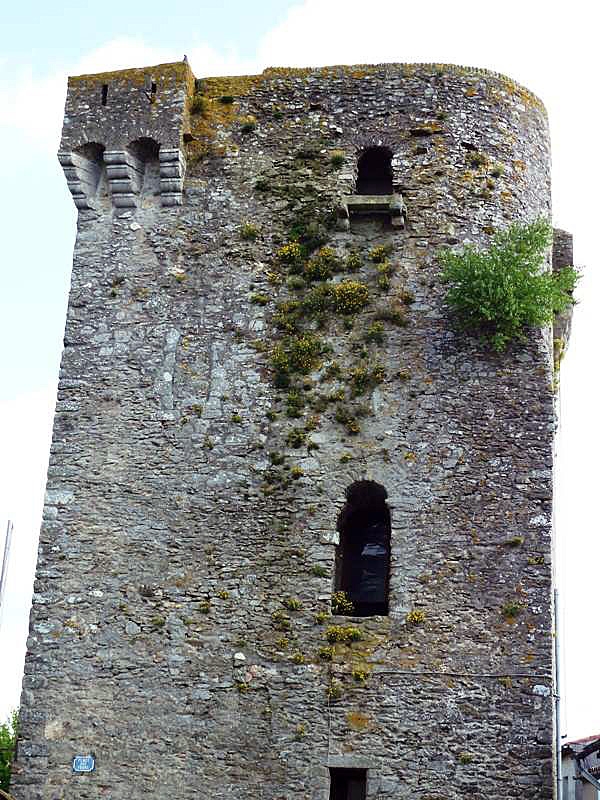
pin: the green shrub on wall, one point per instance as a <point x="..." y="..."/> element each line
<point x="503" y="290"/>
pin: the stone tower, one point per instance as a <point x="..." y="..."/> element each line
<point x="297" y="540"/>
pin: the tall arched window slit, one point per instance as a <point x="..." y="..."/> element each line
<point x="363" y="554"/>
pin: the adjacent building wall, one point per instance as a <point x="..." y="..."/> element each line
<point x="575" y="785"/>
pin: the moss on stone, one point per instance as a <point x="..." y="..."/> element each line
<point x="175" y="72"/>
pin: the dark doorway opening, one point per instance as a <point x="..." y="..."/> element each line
<point x="363" y="554"/>
<point x="375" y="171"/>
<point x="348" y="784"/>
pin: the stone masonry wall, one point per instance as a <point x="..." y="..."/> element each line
<point x="187" y="552"/>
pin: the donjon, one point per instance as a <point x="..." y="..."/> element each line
<point x="297" y="538"/>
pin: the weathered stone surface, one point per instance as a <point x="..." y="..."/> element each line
<point x="160" y="637"/>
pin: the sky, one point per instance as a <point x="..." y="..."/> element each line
<point x="549" y="47"/>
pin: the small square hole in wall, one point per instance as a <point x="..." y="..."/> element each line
<point x="347" y="784"/>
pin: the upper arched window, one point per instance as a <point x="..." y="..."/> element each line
<point x="375" y="171"/>
<point x="146" y="150"/>
<point x="363" y="554"/>
<point x="89" y="157"/>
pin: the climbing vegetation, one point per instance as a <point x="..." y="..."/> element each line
<point x="341" y="603"/>
<point x="321" y="372"/>
<point x="339" y="633"/>
<point x="415" y="617"/>
<point x="504" y="290"/>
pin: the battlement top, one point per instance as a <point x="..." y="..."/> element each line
<point x="181" y="72"/>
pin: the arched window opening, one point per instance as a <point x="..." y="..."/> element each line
<point x="92" y="152"/>
<point x="145" y="150"/>
<point x="89" y="160"/>
<point x="375" y="171"/>
<point x="363" y="554"/>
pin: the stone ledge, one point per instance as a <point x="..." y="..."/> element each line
<point x="391" y="204"/>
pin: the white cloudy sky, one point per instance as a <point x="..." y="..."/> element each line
<point x="548" y="46"/>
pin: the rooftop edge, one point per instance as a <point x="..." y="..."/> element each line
<point x="181" y="70"/>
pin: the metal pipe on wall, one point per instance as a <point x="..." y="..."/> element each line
<point x="5" y="557"/>
<point x="559" y="784"/>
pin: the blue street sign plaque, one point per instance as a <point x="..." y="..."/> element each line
<point x="84" y="763"/>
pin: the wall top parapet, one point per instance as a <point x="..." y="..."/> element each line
<point x="180" y="71"/>
<point x="403" y="69"/>
<point x="176" y="72"/>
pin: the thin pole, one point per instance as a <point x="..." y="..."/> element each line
<point x="4" y="572"/>
<point x="559" y="787"/>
